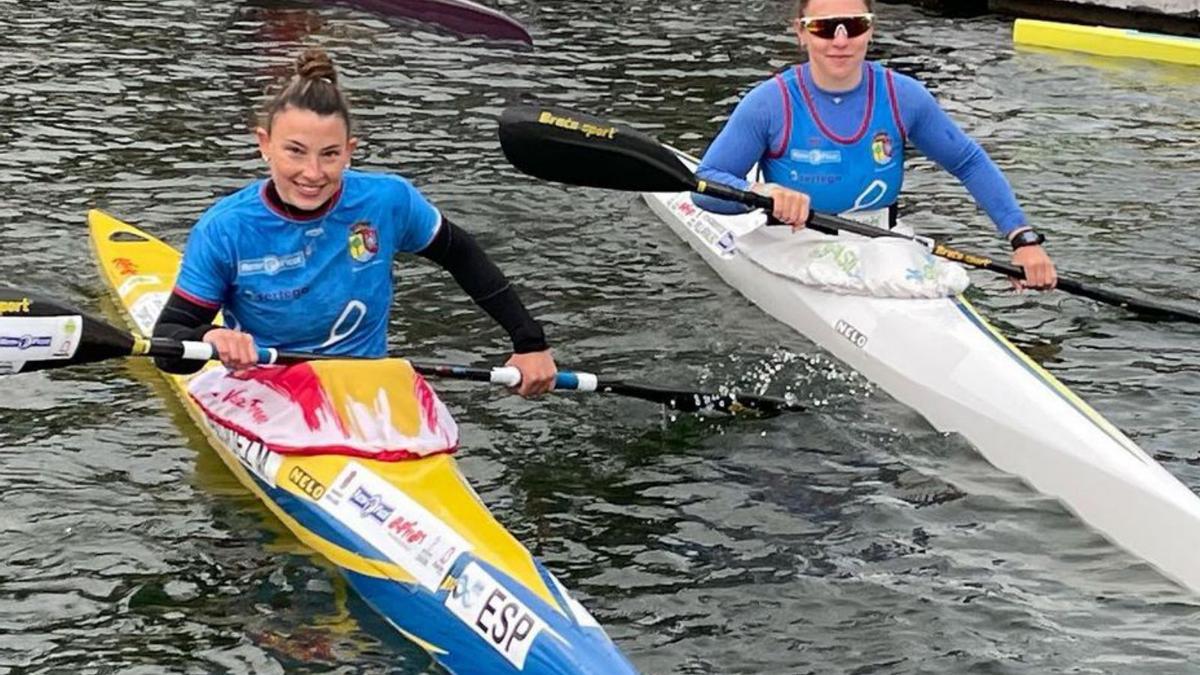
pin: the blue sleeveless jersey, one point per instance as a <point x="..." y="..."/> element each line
<point x="859" y="172"/>
<point x="322" y="285"/>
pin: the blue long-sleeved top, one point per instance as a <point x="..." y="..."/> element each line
<point x="760" y="121"/>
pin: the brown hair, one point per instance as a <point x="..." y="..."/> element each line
<point x="802" y="5"/>
<point x="314" y="87"/>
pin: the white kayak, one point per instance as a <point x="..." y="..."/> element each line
<point x="941" y="358"/>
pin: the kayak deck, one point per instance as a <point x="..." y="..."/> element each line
<point x="941" y="358"/>
<point x="486" y="603"/>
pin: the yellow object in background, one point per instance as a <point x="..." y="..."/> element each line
<point x="1116" y="42"/>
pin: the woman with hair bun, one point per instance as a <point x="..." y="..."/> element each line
<point x="302" y="261"/>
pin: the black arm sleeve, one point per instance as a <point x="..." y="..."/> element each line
<point x="459" y="254"/>
<point x="182" y="319"/>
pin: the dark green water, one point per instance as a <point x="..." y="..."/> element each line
<point x="853" y="538"/>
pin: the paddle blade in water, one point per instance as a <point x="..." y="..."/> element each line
<point x="563" y="146"/>
<point x="459" y="16"/>
<point x="699" y="402"/>
<point x="37" y="333"/>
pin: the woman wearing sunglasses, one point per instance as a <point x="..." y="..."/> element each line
<point x="829" y="135"/>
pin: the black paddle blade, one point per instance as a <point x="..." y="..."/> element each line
<point x="563" y="146"/>
<point x="459" y="16"/>
<point x="35" y="331"/>
<point x="694" y="402"/>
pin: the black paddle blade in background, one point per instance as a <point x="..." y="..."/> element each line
<point x="459" y="16"/>
<point x="564" y="146"/>
<point x="98" y="340"/>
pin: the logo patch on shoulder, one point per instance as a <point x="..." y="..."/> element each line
<point x="364" y="241"/>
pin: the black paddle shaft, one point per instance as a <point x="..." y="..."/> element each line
<point x="564" y="146"/>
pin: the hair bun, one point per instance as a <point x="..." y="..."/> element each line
<point x="315" y="64"/>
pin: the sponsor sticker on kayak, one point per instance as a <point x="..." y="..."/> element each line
<point x="494" y="613"/>
<point x="134" y="281"/>
<point x="395" y="524"/>
<point x="145" y="310"/>
<point x="718" y="239"/>
<point x="307" y="484"/>
<point x="251" y="453"/>
<point x="38" y="338"/>
<point x="855" y="336"/>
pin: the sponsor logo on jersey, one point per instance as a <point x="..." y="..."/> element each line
<point x="271" y="265"/>
<point x="364" y="241"/>
<point x="274" y="296"/>
<point x="882" y="148"/>
<point x="815" y="156"/>
<point x="814" y="178"/>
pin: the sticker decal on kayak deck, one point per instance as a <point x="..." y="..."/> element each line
<point x="145" y="310"/>
<point x="851" y="333"/>
<point x="494" y="613"/>
<point x="705" y="227"/>
<point x="135" y="281"/>
<point x="253" y="454"/>
<point x="307" y="484"/>
<point x="395" y="524"/>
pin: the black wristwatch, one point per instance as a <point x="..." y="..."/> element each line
<point x="1027" y="238"/>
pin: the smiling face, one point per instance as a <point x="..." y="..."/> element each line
<point x="836" y="62"/>
<point x="307" y="154"/>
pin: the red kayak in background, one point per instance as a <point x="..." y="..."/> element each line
<point x="460" y="16"/>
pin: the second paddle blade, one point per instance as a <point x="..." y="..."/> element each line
<point x="700" y="402"/>
<point x="563" y="146"/>
<point x="37" y="333"/>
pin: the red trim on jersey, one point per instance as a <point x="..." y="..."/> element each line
<point x="787" y="119"/>
<point x="207" y="304"/>
<point x="891" y="89"/>
<point x="867" y="114"/>
<point x="281" y="209"/>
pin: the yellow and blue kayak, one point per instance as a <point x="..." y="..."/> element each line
<point x="1104" y="41"/>
<point x="411" y="537"/>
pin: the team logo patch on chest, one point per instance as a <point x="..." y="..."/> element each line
<point x="364" y="241"/>
<point x="881" y="148"/>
